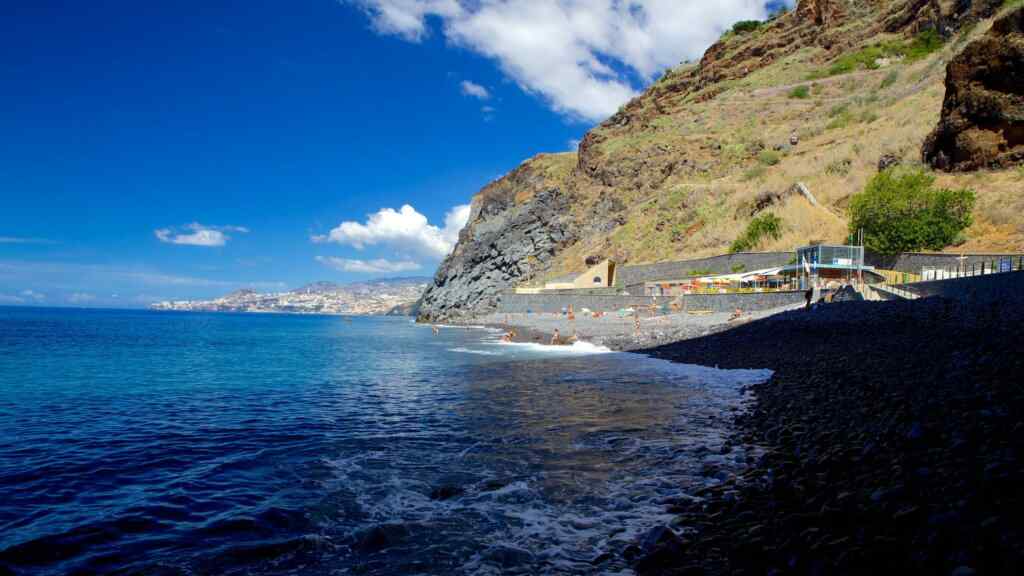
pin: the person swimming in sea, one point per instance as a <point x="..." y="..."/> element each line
<point x="436" y="330"/>
<point x="556" y="338"/>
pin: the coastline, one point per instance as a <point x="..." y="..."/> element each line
<point x="894" y="434"/>
<point x="618" y="333"/>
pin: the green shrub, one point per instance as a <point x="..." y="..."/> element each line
<point x="921" y="46"/>
<point x="700" y="272"/>
<point x="744" y="26"/>
<point x="839" y="167"/>
<point x="736" y="268"/>
<point x="837" y="110"/>
<point x="842" y="120"/>
<point x="733" y="152"/>
<point x="754" y="173"/>
<point x="766" y="225"/>
<point x="901" y="211"/>
<point x="926" y="42"/>
<point x="769" y="157"/>
<point x="890" y="79"/>
<point x="868" y="116"/>
<point x="1020" y="173"/>
<point x="801" y="92"/>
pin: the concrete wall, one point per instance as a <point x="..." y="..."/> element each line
<point x="722" y="264"/>
<point x="1005" y="287"/>
<point x="914" y="261"/>
<point x="512" y="303"/>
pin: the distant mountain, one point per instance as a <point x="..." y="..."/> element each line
<point x="375" y="297"/>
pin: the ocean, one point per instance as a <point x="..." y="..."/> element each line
<point x="139" y="442"/>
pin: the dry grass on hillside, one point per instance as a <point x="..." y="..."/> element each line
<point x="845" y="124"/>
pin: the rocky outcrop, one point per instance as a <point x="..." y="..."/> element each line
<point x="516" y="226"/>
<point x="982" y="121"/>
<point x="944" y="16"/>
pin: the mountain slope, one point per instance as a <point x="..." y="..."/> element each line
<point x="817" y="96"/>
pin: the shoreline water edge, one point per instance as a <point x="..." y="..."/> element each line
<point x="893" y="436"/>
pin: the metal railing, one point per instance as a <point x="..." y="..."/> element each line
<point x="928" y="273"/>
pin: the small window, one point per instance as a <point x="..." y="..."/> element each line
<point x="597" y="279"/>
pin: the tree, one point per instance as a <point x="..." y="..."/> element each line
<point x="900" y="210"/>
<point x="766" y="225"/>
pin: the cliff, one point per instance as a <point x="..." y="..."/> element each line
<point x="982" y="121"/>
<point x="812" y="100"/>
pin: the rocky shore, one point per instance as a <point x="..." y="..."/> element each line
<point x="619" y="333"/>
<point x="894" y="436"/>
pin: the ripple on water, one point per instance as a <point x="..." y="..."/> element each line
<point x="331" y="447"/>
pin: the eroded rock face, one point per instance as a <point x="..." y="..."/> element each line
<point x="506" y="241"/>
<point x="982" y="121"/>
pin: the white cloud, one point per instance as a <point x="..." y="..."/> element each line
<point x="404" y="229"/>
<point x="80" y="298"/>
<point x="406" y="18"/>
<point x="196" y="234"/>
<point x="11" y="299"/>
<point x="33" y="295"/>
<point x="378" y="266"/>
<point x="582" y="56"/>
<point x="475" y="90"/>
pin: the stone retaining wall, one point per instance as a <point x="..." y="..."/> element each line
<point x="512" y="303"/>
<point x="722" y="264"/>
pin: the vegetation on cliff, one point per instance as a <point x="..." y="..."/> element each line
<point x="902" y="211"/>
<point x="683" y="169"/>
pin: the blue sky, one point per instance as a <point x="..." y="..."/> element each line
<point x="162" y="149"/>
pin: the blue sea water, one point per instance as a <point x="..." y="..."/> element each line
<point x="137" y="442"/>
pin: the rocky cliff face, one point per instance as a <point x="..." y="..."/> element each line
<point x="810" y="100"/>
<point x="516" y="226"/>
<point x="982" y="121"/>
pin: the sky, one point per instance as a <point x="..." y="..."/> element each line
<point x="184" y="149"/>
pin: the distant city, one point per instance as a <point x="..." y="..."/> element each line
<point x="374" y="298"/>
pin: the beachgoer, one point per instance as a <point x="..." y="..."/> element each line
<point x="556" y="339"/>
<point x="435" y="330"/>
<point x="807" y="296"/>
<point x="736" y="314"/>
<point x="572" y="315"/>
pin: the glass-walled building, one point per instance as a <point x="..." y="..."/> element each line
<point x="825" y="262"/>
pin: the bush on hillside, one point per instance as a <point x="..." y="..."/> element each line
<point x="900" y="210"/>
<point x="769" y="157"/>
<point x="890" y="79"/>
<point x="800" y="92"/>
<point x="922" y="45"/>
<point x="766" y="225"/>
<point x="744" y="26"/>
